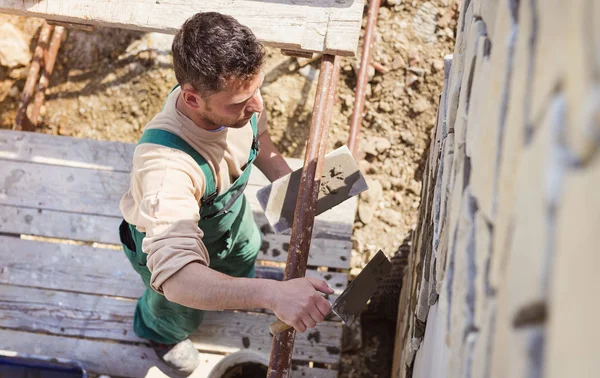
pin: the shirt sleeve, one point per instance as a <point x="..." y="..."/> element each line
<point x="171" y="185"/>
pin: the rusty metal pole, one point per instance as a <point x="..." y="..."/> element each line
<point x="304" y="215"/>
<point x="32" y="77"/>
<point x="363" y="77"/>
<point x="49" y="60"/>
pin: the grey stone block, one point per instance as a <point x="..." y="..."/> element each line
<point x="573" y="331"/>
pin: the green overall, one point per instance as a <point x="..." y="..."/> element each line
<point x="230" y="235"/>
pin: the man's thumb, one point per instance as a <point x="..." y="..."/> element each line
<point x="320" y="285"/>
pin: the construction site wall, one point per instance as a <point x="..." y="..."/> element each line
<point x="501" y="280"/>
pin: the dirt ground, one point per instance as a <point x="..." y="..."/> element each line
<point x="109" y="83"/>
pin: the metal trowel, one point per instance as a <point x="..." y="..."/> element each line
<point x="353" y="300"/>
<point x="340" y="180"/>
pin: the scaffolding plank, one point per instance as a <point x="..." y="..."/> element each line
<point x="324" y="251"/>
<point x="114" y="359"/>
<point x="328" y="26"/>
<point x="100" y="317"/>
<point x="85" y="269"/>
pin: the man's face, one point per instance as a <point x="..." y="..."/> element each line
<point x="234" y="105"/>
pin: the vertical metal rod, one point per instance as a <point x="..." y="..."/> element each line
<point x="304" y="215"/>
<point x="49" y="61"/>
<point x="363" y="78"/>
<point x="32" y="77"/>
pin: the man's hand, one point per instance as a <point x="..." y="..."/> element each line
<point x="298" y="303"/>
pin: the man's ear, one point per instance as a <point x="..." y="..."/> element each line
<point x="192" y="99"/>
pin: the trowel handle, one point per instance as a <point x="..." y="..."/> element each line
<point x="277" y="327"/>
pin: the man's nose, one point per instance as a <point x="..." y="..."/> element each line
<point x="255" y="104"/>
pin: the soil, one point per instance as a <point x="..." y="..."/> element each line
<point x="109" y="83"/>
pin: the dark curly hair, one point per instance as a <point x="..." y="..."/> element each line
<point x="212" y="48"/>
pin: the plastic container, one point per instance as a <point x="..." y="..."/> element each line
<point x="40" y="367"/>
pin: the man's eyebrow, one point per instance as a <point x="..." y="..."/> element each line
<point x="248" y="99"/>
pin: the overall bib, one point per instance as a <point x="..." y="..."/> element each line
<point x="231" y="237"/>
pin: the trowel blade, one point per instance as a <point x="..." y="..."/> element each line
<point x="353" y="300"/>
<point x="340" y="180"/>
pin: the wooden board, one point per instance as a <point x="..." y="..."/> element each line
<point x="100" y="317"/>
<point x="32" y="147"/>
<point x="114" y="359"/>
<point x="328" y="26"/>
<point x="86" y="269"/>
<point x="93" y="228"/>
<point x="65" y="151"/>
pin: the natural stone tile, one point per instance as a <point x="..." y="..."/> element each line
<point x="551" y="54"/>
<point x="483" y="250"/>
<point x="513" y="140"/>
<point x="522" y="356"/>
<point x="483" y="347"/>
<point x="489" y="112"/>
<point x="440" y="243"/>
<point x="523" y="231"/>
<point x="432" y="357"/>
<point x="462" y="290"/>
<point x="476" y="31"/>
<point x="487" y="10"/>
<point x="573" y="332"/>
<point x="458" y="60"/>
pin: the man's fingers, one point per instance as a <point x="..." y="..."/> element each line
<point x="299" y="326"/>
<point x="323" y="306"/>
<point x="320" y="285"/>
<point x="317" y="315"/>
<point x="309" y="321"/>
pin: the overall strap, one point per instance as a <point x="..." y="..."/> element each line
<point x="171" y="140"/>
<point x="254" y="124"/>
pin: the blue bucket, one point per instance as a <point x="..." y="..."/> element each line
<point x="40" y="367"/>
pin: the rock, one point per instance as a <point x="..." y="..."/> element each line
<point x="407" y="137"/>
<point x="421" y="105"/>
<point x="382" y="144"/>
<point x="14" y="49"/>
<point x="411" y="79"/>
<point x="413" y="56"/>
<point x="368" y="147"/>
<point x="417" y="71"/>
<point x="14" y="92"/>
<point x="393" y="2"/>
<point x="365" y="167"/>
<point x="399" y="63"/>
<point x="438" y="65"/>
<point x="391" y="217"/>
<point x="398" y="91"/>
<point x="368" y="201"/>
<point x="309" y="72"/>
<point x="385" y="106"/>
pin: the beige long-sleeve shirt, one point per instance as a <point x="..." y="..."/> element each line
<point x="167" y="186"/>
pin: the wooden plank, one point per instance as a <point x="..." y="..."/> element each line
<point x="99" y="317"/>
<point x="31" y="147"/>
<point x="93" y="228"/>
<point x="114" y="359"/>
<point x="65" y="151"/>
<point x="98" y="192"/>
<point x="328" y="26"/>
<point x="86" y="269"/>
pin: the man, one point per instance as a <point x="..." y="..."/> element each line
<point x="188" y="230"/>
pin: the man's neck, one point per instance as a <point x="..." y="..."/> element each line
<point x="201" y="123"/>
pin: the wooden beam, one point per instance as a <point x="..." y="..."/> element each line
<point x="324" y="26"/>
<point x="99" y="317"/>
<point x="324" y="250"/>
<point x="115" y="359"/>
<point x="85" y="269"/>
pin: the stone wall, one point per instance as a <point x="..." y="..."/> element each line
<point x="501" y="278"/>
